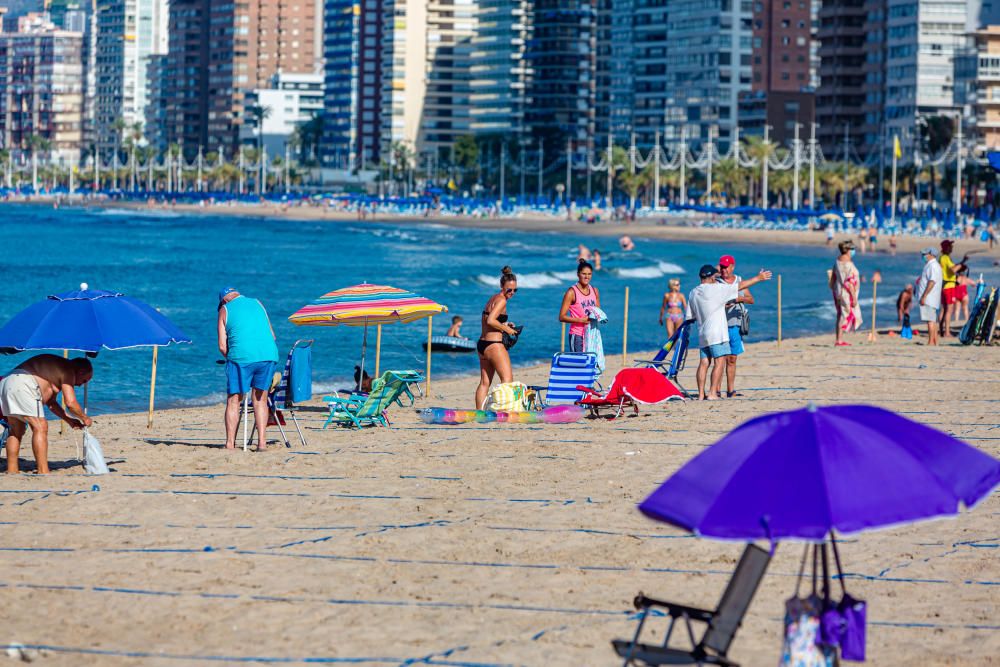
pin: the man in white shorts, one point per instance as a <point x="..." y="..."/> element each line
<point x="34" y="386"/>
<point x="928" y="290"/>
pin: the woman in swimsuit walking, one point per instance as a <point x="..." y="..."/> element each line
<point x="493" y="356"/>
<point x="575" y="303"/>
<point x="674" y="305"/>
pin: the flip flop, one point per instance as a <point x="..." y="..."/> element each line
<point x="842" y="343"/>
<point x="733" y="394"/>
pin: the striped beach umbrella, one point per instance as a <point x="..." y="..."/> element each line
<point x="364" y="305"/>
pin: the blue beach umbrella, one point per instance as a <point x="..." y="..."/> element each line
<point x="89" y="320"/>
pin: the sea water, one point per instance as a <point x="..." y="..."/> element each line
<point x="177" y="262"/>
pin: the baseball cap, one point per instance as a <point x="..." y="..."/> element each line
<point x="947" y="244"/>
<point x="226" y="291"/>
<point x="727" y="260"/>
<point x="929" y="250"/>
<point x="707" y="271"/>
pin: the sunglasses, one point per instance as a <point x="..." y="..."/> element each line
<point x="512" y="290"/>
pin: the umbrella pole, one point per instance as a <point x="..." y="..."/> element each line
<point x="152" y="389"/>
<point x="62" y="399"/>
<point x="779" y="310"/>
<point x="378" y="348"/>
<point x="430" y="331"/>
<point x="364" y="349"/>
<point x="625" y="332"/>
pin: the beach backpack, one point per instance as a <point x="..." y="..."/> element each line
<point x="508" y="397"/>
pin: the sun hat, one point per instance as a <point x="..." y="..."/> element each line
<point x="929" y="250"/>
<point x="707" y="271"/>
<point x="226" y="291"/>
<point x="727" y="260"/>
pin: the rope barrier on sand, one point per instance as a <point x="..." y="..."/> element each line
<point x="190" y="657"/>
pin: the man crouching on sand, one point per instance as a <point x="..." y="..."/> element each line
<point x="36" y="383"/>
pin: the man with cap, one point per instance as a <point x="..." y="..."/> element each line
<point x="707" y="305"/>
<point x="928" y="289"/>
<point x="949" y="285"/>
<point x="734" y="318"/>
<point x="246" y="340"/>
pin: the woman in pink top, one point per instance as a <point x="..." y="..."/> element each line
<point x="575" y="303"/>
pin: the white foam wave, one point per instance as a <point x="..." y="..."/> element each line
<point x="669" y="268"/>
<point x="565" y="276"/>
<point x="525" y="280"/>
<point x="658" y="270"/>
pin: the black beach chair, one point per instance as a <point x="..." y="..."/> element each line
<point x="722" y="623"/>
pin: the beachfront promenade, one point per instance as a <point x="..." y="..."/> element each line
<point x="475" y="544"/>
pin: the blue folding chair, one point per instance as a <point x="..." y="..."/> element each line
<point x="568" y="371"/>
<point x="672" y="357"/>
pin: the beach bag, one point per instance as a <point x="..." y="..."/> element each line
<point x="510" y="340"/>
<point x="508" y="397"/>
<point x="847" y="620"/>
<point x="801" y="647"/>
<point x="93" y="455"/>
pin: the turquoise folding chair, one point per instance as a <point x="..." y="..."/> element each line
<point x="361" y="410"/>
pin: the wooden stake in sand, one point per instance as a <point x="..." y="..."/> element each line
<point x="779" y="310"/>
<point x="378" y="348"/>
<point x="876" y="279"/>
<point x="152" y="388"/>
<point x="430" y="329"/>
<point x="625" y="331"/>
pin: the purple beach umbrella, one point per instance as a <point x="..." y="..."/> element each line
<point x="806" y="473"/>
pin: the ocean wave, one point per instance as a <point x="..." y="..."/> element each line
<point x="136" y="213"/>
<point x="565" y="276"/>
<point x="525" y="280"/>
<point x="658" y="270"/>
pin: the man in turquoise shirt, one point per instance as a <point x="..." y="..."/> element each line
<point x="246" y="340"/>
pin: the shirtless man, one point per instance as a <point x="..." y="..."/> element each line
<point x="36" y="383"/>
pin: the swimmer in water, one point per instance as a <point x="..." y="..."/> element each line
<point x="583" y="253"/>
<point x="626" y="243"/>
<point x="597" y="259"/>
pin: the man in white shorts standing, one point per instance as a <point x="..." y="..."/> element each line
<point x="34" y="386"/>
<point x="928" y="291"/>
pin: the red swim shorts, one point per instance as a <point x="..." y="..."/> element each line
<point x="961" y="292"/>
<point x="948" y="295"/>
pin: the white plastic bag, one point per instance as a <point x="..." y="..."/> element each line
<point x="93" y="456"/>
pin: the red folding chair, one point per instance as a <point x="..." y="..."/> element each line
<point x="630" y="387"/>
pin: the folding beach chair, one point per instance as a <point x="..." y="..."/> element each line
<point x="366" y="409"/>
<point x="630" y="387"/>
<point x="672" y="357"/>
<point x="568" y="372"/>
<point x="722" y="623"/>
<point x="295" y="386"/>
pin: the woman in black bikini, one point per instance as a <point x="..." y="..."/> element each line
<point x="493" y="357"/>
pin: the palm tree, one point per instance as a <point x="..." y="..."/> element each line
<point x="726" y="179"/>
<point x="37" y="144"/>
<point x="5" y="158"/>
<point x="133" y="139"/>
<point x="118" y="128"/>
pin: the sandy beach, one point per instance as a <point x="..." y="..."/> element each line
<point x="666" y="226"/>
<point x="475" y="544"/>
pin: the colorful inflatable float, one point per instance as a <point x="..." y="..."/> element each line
<point x="557" y="414"/>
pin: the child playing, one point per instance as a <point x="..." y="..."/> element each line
<point x="455" y="331"/>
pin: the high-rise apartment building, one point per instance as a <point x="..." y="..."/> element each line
<point x="129" y="32"/>
<point x="41" y="89"/>
<point x="451" y="25"/>
<point x="498" y="69"/>
<point x="220" y="50"/>
<point x="925" y="40"/>
<point x="986" y="89"/>
<point x="844" y="81"/>
<point x="562" y="53"/>
<point x="690" y="60"/>
<point x="404" y="68"/>
<point x="781" y="91"/>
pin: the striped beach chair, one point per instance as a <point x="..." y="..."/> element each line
<point x="294" y="387"/>
<point x="568" y="371"/>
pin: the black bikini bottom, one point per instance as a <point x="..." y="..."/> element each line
<point x="482" y="344"/>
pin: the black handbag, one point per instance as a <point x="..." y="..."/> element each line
<point x="744" y="322"/>
<point x="510" y="340"/>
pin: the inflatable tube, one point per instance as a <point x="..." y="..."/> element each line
<point x="557" y="414"/>
<point x="451" y="344"/>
